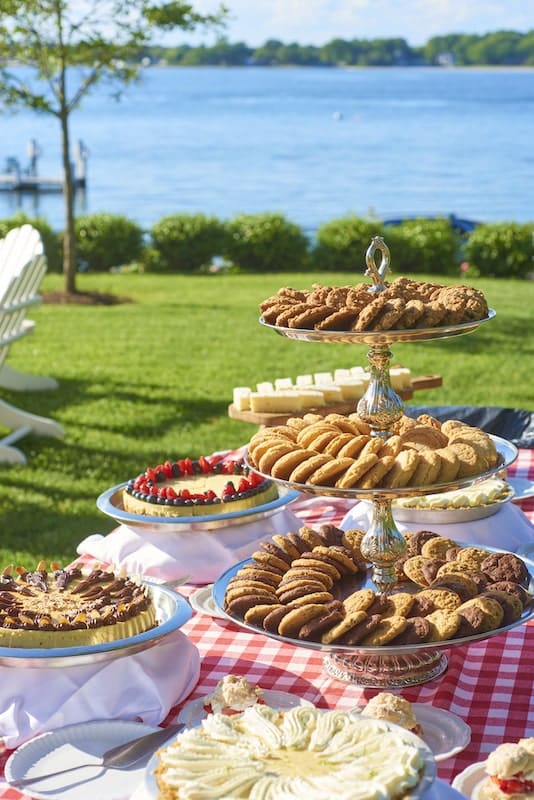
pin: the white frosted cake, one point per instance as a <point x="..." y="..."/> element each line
<point x="300" y="753"/>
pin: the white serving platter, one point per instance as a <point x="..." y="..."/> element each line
<point x="82" y="743"/>
<point x="445" y="733"/>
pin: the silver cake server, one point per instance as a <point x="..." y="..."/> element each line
<point x="122" y="756"/>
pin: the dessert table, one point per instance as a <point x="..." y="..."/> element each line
<point x="488" y="684"/>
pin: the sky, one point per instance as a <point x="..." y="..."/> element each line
<point x="318" y="21"/>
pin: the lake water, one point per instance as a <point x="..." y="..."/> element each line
<point x="315" y="144"/>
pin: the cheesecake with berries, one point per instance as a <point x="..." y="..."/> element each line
<point x="197" y="487"/>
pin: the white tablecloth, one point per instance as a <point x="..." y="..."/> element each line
<point x="201" y="555"/>
<point x="143" y="687"/>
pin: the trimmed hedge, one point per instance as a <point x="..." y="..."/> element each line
<point x="420" y="245"/>
<point x="265" y="243"/>
<point x="502" y="249"/>
<point x="107" y="240"/>
<point x="184" y="243"/>
<point x="341" y="244"/>
<point x="269" y="242"/>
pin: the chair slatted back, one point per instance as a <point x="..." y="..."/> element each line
<point x="22" y="268"/>
<point x="16" y="248"/>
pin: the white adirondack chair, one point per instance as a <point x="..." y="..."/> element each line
<point x="22" y="268"/>
<point x="20" y="246"/>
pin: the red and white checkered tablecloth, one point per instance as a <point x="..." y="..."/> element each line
<point x="489" y="684"/>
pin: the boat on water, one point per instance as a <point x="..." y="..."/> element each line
<point x="458" y="223"/>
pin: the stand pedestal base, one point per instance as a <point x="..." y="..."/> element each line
<point x="386" y="671"/>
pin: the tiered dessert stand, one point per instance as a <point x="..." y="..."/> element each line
<point x="383" y="544"/>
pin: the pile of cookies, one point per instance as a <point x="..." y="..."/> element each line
<point x="339" y="451"/>
<point x="404" y="305"/>
<point x="302" y="586"/>
<point x="429" y="557"/>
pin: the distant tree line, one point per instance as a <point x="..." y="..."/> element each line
<point x="501" y="48"/>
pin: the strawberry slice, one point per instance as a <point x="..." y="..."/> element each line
<point x="516" y="785"/>
<point x="204" y="465"/>
<point x="229" y="489"/>
<point x="228" y="711"/>
<point x="255" y="479"/>
<point x="188" y="465"/>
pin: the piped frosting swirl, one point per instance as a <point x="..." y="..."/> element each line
<point x="264" y="754"/>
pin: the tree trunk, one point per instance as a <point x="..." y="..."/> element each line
<point x="69" y="239"/>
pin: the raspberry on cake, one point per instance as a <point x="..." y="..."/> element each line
<point x="67" y="608"/>
<point x="197" y="487"/>
<point x="510" y="769"/>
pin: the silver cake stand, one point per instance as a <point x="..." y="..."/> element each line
<point x="380" y="407"/>
<point x="394" y="666"/>
<point x="383" y="544"/>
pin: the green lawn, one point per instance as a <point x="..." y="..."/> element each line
<point x="152" y="378"/>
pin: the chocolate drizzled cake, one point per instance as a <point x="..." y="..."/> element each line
<point x="64" y="607"/>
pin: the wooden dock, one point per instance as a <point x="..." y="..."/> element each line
<point x="16" y="179"/>
<point x="29" y="183"/>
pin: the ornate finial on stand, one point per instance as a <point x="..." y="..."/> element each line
<point x="379" y="273"/>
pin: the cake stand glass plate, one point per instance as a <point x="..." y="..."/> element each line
<point x="526" y="551"/>
<point x="385" y="666"/>
<point x="507" y="454"/>
<point x="441" y="790"/>
<point x="172" y="611"/>
<point x="194" y="712"/>
<point x="110" y="503"/>
<point x="380" y="337"/>
<point x="80" y="743"/>
<point x="444" y="732"/>
<point x="469" y="780"/>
